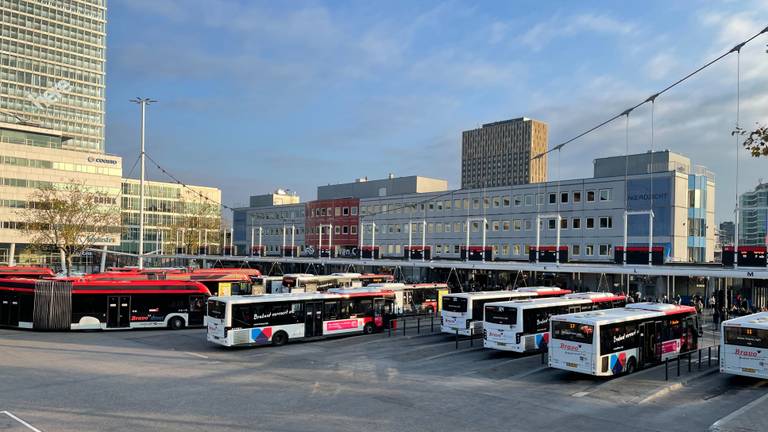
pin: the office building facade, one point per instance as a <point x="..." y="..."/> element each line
<point x="504" y="154"/>
<point x="753" y="216"/>
<point x="52" y="67"/>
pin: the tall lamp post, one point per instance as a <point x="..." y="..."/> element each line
<point x="143" y="102"/>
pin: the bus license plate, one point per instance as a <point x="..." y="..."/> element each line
<point x="573" y="365"/>
<point x="749" y="370"/>
<point x="501" y="343"/>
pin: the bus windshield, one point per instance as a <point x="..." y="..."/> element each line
<point x="216" y="309"/>
<point x="744" y="336"/>
<point x="572" y="331"/>
<point x="454" y="304"/>
<point x="501" y="315"/>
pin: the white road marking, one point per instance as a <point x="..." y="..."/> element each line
<point x="196" y="355"/>
<point x="29" y="426"/>
<point x="580" y="394"/>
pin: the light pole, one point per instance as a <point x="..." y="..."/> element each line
<point x="143" y="102"/>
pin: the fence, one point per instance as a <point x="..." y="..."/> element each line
<point x="689" y="355"/>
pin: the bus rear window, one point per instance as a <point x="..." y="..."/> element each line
<point x="454" y="304"/>
<point x="743" y="336"/>
<point x="501" y="315"/>
<point x="573" y="332"/>
<point x="216" y="309"/>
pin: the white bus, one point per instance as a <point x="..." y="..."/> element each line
<point x="613" y="341"/>
<point x="464" y="311"/>
<point x="744" y="346"/>
<point x="277" y="318"/>
<point x="523" y="325"/>
<point x="416" y="298"/>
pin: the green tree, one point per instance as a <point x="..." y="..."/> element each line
<point x="757" y="142"/>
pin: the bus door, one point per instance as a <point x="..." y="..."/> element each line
<point x="313" y="319"/>
<point x="118" y="311"/>
<point x="691" y="334"/>
<point x="9" y="311"/>
<point x="196" y="310"/>
<point x="382" y="311"/>
<point x="650" y="342"/>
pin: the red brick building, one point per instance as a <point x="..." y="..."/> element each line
<point x="342" y="214"/>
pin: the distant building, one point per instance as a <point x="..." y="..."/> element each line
<point x="726" y="233"/>
<point x="278" y="197"/>
<point x="503" y="154"/>
<point x="753" y="221"/>
<point x="364" y="188"/>
<point x="53" y="67"/>
<point x="174" y="215"/>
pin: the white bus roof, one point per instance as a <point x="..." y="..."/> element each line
<point x="630" y="312"/>
<point x="351" y="275"/>
<point x="399" y="286"/>
<point x="758" y="321"/>
<point x="262" y="298"/>
<point x="480" y="295"/>
<point x="299" y="275"/>
<point x="568" y="299"/>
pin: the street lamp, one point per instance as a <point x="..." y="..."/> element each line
<point x="143" y="102"/>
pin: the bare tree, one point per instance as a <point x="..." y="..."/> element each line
<point x="71" y="219"/>
<point x="757" y="142"/>
<point x="196" y="218"/>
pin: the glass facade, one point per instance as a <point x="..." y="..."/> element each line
<point x="52" y="59"/>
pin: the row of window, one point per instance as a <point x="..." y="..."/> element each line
<point x="491" y="202"/>
<point x="55" y="42"/>
<point x="62" y="166"/>
<point x="81" y="16"/>
<point x="47" y="26"/>
<point x="602" y="222"/>
<point x="333" y="211"/>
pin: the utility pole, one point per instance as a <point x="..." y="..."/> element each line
<point x="143" y="102"/>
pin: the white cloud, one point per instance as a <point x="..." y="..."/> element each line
<point x="563" y="26"/>
<point x="661" y="65"/>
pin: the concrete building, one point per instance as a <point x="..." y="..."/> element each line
<point x="591" y="210"/>
<point x="278" y="197"/>
<point x="175" y="218"/>
<point x="52" y="67"/>
<point x="502" y="154"/>
<point x="31" y="157"/>
<point x="269" y="226"/>
<point x="753" y="217"/>
<point x="363" y="188"/>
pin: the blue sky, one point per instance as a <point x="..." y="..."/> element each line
<point x="258" y="95"/>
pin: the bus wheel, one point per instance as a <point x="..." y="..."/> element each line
<point x="279" y="338"/>
<point x="631" y="366"/>
<point x="176" y="323"/>
<point x="368" y="328"/>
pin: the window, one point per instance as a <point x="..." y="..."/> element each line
<point x="506" y="201"/>
<point x="466" y="203"/>
<point x="505" y="249"/>
<point x="576" y="223"/>
<point x="457" y="227"/>
<point x="577" y="197"/>
<point x="337" y="211"/>
<point x="431" y="228"/>
<point x="604" y="249"/>
<point x="505" y="226"/>
<point x="590" y="196"/>
<point x="457" y="203"/>
<point x="353" y="229"/>
<point x="552" y="224"/>
<point x="354" y="211"/>
<point x="431" y="206"/>
<point x="495" y="225"/>
<point x="529" y="200"/>
<point x="528" y="224"/>
<point x="517" y="224"/>
<point x="439" y="227"/>
<point x="581" y="333"/>
<point x="475" y="203"/>
<point x="496" y="202"/>
<point x="322" y="212"/>
<point x="518" y="200"/>
<point x="552" y="198"/>
<point x="345" y="211"/>
<point x="605" y="194"/>
<point x="618" y="337"/>
<point x="336" y="230"/>
<point x="606" y="222"/>
<point x="486" y="203"/>
<point x="564" y="197"/>
<point x="541" y="199"/>
<point x="516" y="249"/>
<point x="590" y="223"/>
<point x="564" y="223"/>
<point x="576" y="250"/>
<point x="589" y="250"/>
<point x="447" y="204"/>
<point x="345" y="229"/>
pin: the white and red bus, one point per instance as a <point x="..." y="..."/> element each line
<point x="463" y="312"/>
<point x="78" y="304"/>
<point x="614" y="341"/>
<point x="410" y="298"/>
<point x="275" y="319"/>
<point x="744" y="346"/>
<point x="523" y="325"/>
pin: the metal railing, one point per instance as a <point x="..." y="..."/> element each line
<point x="689" y="355"/>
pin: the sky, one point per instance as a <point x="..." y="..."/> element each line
<point x="258" y="95"/>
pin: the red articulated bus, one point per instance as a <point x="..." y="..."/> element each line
<point x="28" y="272"/>
<point x="82" y="304"/>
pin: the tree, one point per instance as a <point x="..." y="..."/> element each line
<point x="757" y="142"/>
<point x="196" y="217"/>
<point x="70" y="219"/>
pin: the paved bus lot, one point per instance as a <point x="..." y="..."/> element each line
<point x="166" y="381"/>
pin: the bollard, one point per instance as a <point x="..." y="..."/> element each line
<point x="678" y="365"/>
<point x="405" y="321"/>
<point x="389" y="330"/>
<point x="699" y="359"/>
<point x="543" y="357"/>
<point x="709" y="356"/>
<point x="432" y="324"/>
<point x="457" y="338"/>
<point x="471" y="335"/>
<point x="418" y="325"/>
<point x="666" y="369"/>
<point x="718" y="356"/>
<point x="690" y="354"/>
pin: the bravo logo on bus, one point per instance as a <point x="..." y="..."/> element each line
<point x="742" y="353"/>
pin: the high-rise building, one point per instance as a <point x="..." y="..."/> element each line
<point x="753" y="217"/>
<point x="52" y="58"/>
<point x="504" y="154"/>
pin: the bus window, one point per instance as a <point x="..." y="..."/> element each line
<point x="454" y="304"/>
<point x="618" y="337"/>
<point x="572" y="332"/>
<point x="331" y="310"/>
<point x="363" y="307"/>
<point x="346" y="309"/>
<point x="744" y="336"/>
<point x="241" y="315"/>
<point x="216" y="309"/>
